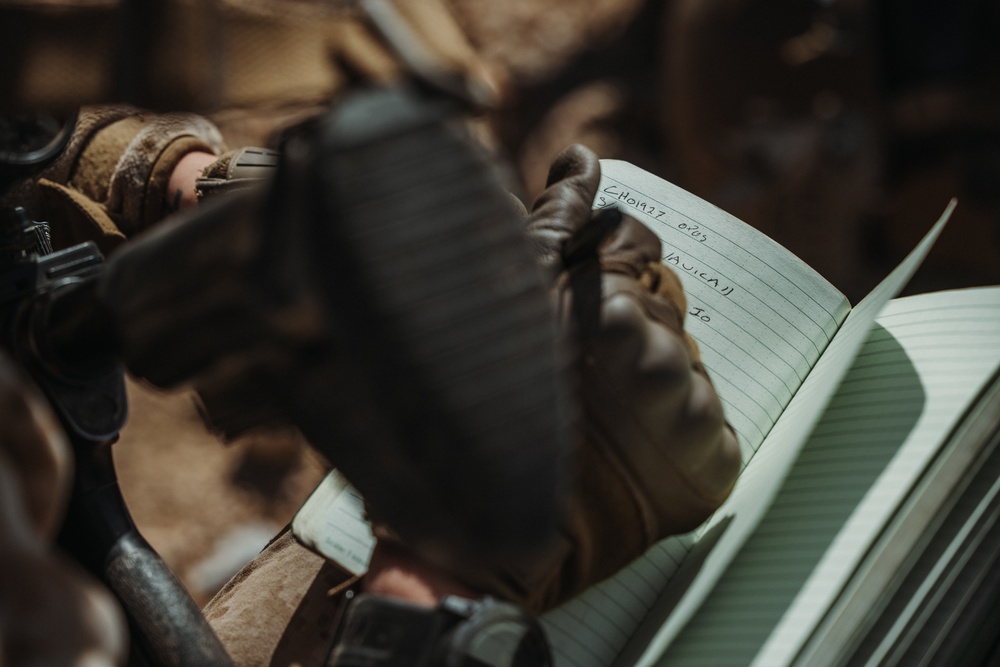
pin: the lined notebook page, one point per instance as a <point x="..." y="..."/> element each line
<point x="761" y="316"/>
<point x="737" y="250"/>
<point x="332" y="521"/>
<point x="953" y="341"/>
<point x="917" y="620"/>
<point x="924" y="362"/>
<point x="591" y="629"/>
<point x="760" y="481"/>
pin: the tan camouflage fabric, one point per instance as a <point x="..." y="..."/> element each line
<point x="111" y="181"/>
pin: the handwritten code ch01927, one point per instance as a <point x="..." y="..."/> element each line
<point x="613" y="194"/>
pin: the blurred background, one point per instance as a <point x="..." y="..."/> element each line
<point x="839" y="128"/>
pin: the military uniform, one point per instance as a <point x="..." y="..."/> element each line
<point x="111" y="181"/>
<point x="647" y="405"/>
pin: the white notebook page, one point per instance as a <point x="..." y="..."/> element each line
<point x="896" y="403"/>
<point x="761" y="318"/>
<point x="670" y="608"/>
<point x="953" y="341"/>
<point x="760" y="315"/>
<point x="760" y="482"/>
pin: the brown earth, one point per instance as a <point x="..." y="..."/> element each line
<point x="207" y="508"/>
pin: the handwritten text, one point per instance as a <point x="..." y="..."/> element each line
<point x="680" y="264"/>
<point x="700" y="314"/>
<point x="613" y="194"/>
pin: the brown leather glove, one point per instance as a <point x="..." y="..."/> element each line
<point x="653" y="454"/>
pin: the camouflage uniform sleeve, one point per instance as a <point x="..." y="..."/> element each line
<point x="111" y="181"/>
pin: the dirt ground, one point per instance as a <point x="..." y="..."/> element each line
<point x="803" y="156"/>
<point x="206" y="507"/>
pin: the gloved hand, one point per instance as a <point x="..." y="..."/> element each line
<point x="654" y="455"/>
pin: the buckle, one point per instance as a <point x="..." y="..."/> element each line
<point x="376" y="631"/>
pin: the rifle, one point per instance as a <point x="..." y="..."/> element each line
<point x="378" y="293"/>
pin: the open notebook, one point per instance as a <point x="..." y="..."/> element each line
<point x="862" y="493"/>
<point x="777" y="340"/>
